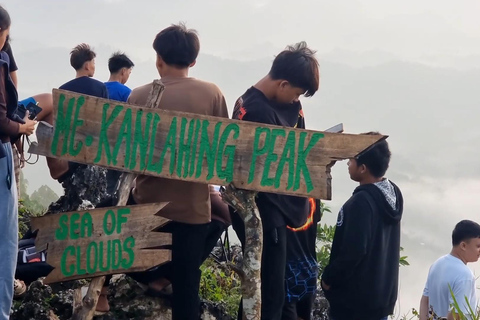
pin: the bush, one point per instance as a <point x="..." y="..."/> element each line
<point x="221" y="286"/>
<point x="27" y="210"/>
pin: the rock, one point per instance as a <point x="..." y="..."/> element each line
<point x="41" y="303"/>
<point x="83" y="190"/>
<point x="320" y="306"/>
<point x="127" y="301"/>
<point x="214" y="311"/>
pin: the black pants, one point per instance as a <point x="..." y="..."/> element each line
<point x="188" y="246"/>
<point x="273" y="268"/>
<point x="299" y="309"/>
<point x="215" y="230"/>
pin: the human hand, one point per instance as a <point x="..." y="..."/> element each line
<point x="29" y="126"/>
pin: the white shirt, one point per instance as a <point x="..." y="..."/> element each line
<point x="449" y="270"/>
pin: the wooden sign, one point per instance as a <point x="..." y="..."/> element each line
<point x="194" y="147"/>
<point x="102" y="241"/>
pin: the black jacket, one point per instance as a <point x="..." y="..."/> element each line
<point x="364" y="261"/>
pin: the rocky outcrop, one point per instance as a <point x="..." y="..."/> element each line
<point x="84" y="189"/>
<point x="127" y="301"/>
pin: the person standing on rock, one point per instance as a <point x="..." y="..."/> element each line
<point x="274" y="100"/>
<point x="361" y="280"/>
<point x="189" y="209"/>
<point x="8" y="189"/>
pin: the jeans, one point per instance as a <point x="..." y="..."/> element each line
<point x="8" y="230"/>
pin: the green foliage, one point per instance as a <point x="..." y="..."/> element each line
<point x="219" y="285"/>
<point x="324" y="245"/>
<point x="403" y="259"/>
<point x="408" y="316"/>
<point x="472" y="314"/>
<point x="25" y="212"/>
<point x="325" y="235"/>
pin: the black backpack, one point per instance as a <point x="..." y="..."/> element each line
<point x="31" y="264"/>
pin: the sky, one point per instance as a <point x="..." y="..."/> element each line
<point x="409" y="69"/>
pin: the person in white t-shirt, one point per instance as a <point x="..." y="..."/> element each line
<point x="451" y="271"/>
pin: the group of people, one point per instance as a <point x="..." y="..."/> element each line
<point x="361" y="280"/>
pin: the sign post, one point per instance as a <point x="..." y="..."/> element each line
<point x="102" y="241"/>
<point x="195" y="148"/>
<point x="174" y="145"/>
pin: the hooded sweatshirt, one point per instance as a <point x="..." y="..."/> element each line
<point x="364" y="261"/>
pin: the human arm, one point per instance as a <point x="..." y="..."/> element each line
<point x="355" y="239"/>
<point x="424" y="301"/>
<point x="13" y="75"/>
<point x="220" y="106"/>
<point x="12" y="65"/>
<point x="7" y="126"/>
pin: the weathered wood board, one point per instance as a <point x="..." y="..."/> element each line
<point x="102" y="241"/>
<point x="194" y="147"/>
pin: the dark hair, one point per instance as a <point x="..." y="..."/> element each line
<point x="119" y="60"/>
<point x="177" y="45"/>
<point x="5" y="20"/>
<point x="464" y="231"/>
<point x="81" y="54"/>
<point x="6" y="46"/>
<point x="297" y="65"/>
<point x="376" y="158"/>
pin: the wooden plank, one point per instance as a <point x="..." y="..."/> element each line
<point x="102" y="241"/>
<point x="336" y="129"/>
<point x="126" y="179"/>
<point x="194" y="147"/>
<point x="84" y="309"/>
<point x="88" y="306"/>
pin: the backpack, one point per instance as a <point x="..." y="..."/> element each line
<point x="31" y="264"/>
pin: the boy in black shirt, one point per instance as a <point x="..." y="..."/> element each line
<point x="361" y="280"/>
<point x="274" y="100"/>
